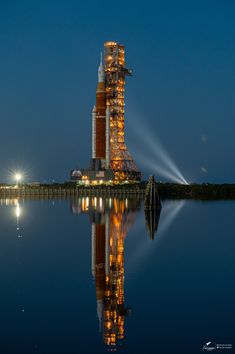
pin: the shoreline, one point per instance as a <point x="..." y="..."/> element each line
<point x="165" y="190"/>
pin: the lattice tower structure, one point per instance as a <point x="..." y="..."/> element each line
<point x="121" y="160"/>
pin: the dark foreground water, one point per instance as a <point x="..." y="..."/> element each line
<point x="84" y="276"/>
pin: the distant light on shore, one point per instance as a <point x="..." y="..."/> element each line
<point x="18" y="177"/>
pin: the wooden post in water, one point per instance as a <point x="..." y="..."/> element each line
<point x="152" y="207"/>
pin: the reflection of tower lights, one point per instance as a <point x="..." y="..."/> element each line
<point x="85" y="204"/>
<point x="108" y="268"/>
<point x="110" y="223"/>
<point x="100" y="202"/>
<point x="114" y="293"/>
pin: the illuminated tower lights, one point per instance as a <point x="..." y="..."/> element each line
<point x="111" y="160"/>
<point x="121" y="161"/>
<point x="108" y="236"/>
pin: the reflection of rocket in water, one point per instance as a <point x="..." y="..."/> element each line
<point x="98" y="265"/>
<point x="111" y="219"/>
<point x="108" y="269"/>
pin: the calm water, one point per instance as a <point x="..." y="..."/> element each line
<point x="84" y="276"/>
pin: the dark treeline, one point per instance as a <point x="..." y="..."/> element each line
<point x="197" y="191"/>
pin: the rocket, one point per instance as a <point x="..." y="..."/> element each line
<point x="100" y="121"/>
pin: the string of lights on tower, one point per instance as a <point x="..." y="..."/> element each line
<point x="111" y="161"/>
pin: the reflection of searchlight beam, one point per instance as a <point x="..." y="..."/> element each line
<point x="170" y="210"/>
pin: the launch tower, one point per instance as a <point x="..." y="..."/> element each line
<point x="121" y="161"/>
<point x="111" y="160"/>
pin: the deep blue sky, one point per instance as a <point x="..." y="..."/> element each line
<point x="183" y="58"/>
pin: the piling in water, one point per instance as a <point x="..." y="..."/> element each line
<point x="152" y="207"/>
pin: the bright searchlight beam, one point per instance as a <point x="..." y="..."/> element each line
<point x="156" y="157"/>
<point x="161" y="154"/>
<point x="160" y="170"/>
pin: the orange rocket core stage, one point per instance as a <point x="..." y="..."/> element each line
<point x="100" y="141"/>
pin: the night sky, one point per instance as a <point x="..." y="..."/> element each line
<point x="183" y="58"/>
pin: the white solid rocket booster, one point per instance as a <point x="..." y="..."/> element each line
<point x="94" y="133"/>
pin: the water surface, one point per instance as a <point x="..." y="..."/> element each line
<point x="84" y="276"/>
